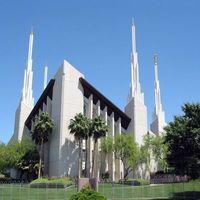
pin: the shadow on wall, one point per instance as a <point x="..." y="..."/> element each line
<point x="69" y="157"/>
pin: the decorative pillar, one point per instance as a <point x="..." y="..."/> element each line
<point x="106" y="120"/>
<point x="119" y="162"/>
<point x="113" y="155"/>
<point x="98" y="160"/>
<point x="89" y="142"/>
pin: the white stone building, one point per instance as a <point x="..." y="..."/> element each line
<point x="69" y="93"/>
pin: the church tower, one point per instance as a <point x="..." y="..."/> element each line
<point x="136" y="108"/>
<point x="27" y="101"/>
<point x="158" y="115"/>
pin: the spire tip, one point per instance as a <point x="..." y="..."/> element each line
<point x="133" y="21"/>
<point x="32" y="30"/>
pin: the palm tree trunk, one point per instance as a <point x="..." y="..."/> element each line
<point x="40" y="162"/>
<point x="79" y="159"/>
<point x="94" y="159"/>
<point x="86" y="154"/>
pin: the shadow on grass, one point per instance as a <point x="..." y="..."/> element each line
<point x="190" y="195"/>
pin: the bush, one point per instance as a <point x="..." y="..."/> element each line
<point x="135" y="182"/>
<point x="87" y="194"/>
<point x="105" y="176"/>
<point x="51" y="183"/>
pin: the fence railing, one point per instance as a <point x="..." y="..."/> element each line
<point x="23" y="191"/>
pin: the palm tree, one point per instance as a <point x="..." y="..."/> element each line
<point x="98" y="130"/>
<point x="40" y="134"/>
<point x="79" y="127"/>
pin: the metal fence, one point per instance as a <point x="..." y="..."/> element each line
<point x="23" y="191"/>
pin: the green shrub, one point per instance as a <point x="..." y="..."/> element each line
<point x="87" y="194"/>
<point x="51" y="183"/>
<point x="135" y="182"/>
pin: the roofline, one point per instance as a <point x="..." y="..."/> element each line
<point x="48" y="92"/>
<point x="89" y="89"/>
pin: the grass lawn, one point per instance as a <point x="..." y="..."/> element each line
<point x="188" y="191"/>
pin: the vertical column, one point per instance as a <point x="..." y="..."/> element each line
<point x="113" y="155"/>
<point x="44" y="107"/>
<point x="89" y="142"/>
<point x="120" y="167"/>
<point x="106" y="120"/>
<point x="98" y="161"/>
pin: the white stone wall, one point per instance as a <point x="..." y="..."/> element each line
<point x="137" y="111"/>
<point x="67" y="102"/>
<point x="21" y="115"/>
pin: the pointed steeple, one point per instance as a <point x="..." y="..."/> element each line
<point x="158" y="115"/>
<point x="27" y="92"/>
<point x="136" y="108"/>
<point x="45" y="76"/>
<point x="158" y="105"/>
<point x="135" y="83"/>
<point x="133" y="37"/>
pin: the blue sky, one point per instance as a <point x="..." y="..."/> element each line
<point x="95" y="37"/>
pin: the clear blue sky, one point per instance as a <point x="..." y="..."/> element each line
<point x="95" y="36"/>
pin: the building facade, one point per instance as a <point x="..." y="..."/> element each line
<point x="69" y="93"/>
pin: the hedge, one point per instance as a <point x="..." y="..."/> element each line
<point x="51" y="183"/>
<point x="135" y="182"/>
<point x="87" y="194"/>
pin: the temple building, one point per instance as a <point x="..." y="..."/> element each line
<point x="69" y="93"/>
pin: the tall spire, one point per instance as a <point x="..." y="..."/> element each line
<point x="158" y="115"/>
<point x="135" y="84"/>
<point x="136" y="108"/>
<point x="45" y="76"/>
<point x="27" y="92"/>
<point x="158" y="105"/>
<point x="133" y="36"/>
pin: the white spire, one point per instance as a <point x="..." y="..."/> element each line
<point x="27" y="92"/>
<point x="158" y="105"/>
<point x="135" y="84"/>
<point x="158" y="115"/>
<point x="45" y="76"/>
<point x="133" y="37"/>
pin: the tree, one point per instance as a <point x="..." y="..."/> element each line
<point x="40" y="134"/>
<point x="3" y="158"/>
<point x="13" y="155"/>
<point x="183" y="141"/>
<point x="80" y="128"/>
<point x="29" y="162"/>
<point x="127" y="151"/>
<point x="98" y="130"/>
<point x="107" y="146"/>
<point x="154" y="147"/>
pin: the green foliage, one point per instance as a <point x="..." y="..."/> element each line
<point x="11" y="155"/>
<point x="3" y="158"/>
<point x="155" y="147"/>
<point x="98" y="128"/>
<point x="127" y="150"/>
<point x="105" y="176"/>
<point x="40" y="134"/>
<point x="80" y="127"/>
<point x="42" y="129"/>
<point x="29" y="162"/>
<point x="87" y="194"/>
<point x="51" y="182"/>
<point x="107" y="145"/>
<point x="183" y="140"/>
<point x="136" y="182"/>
